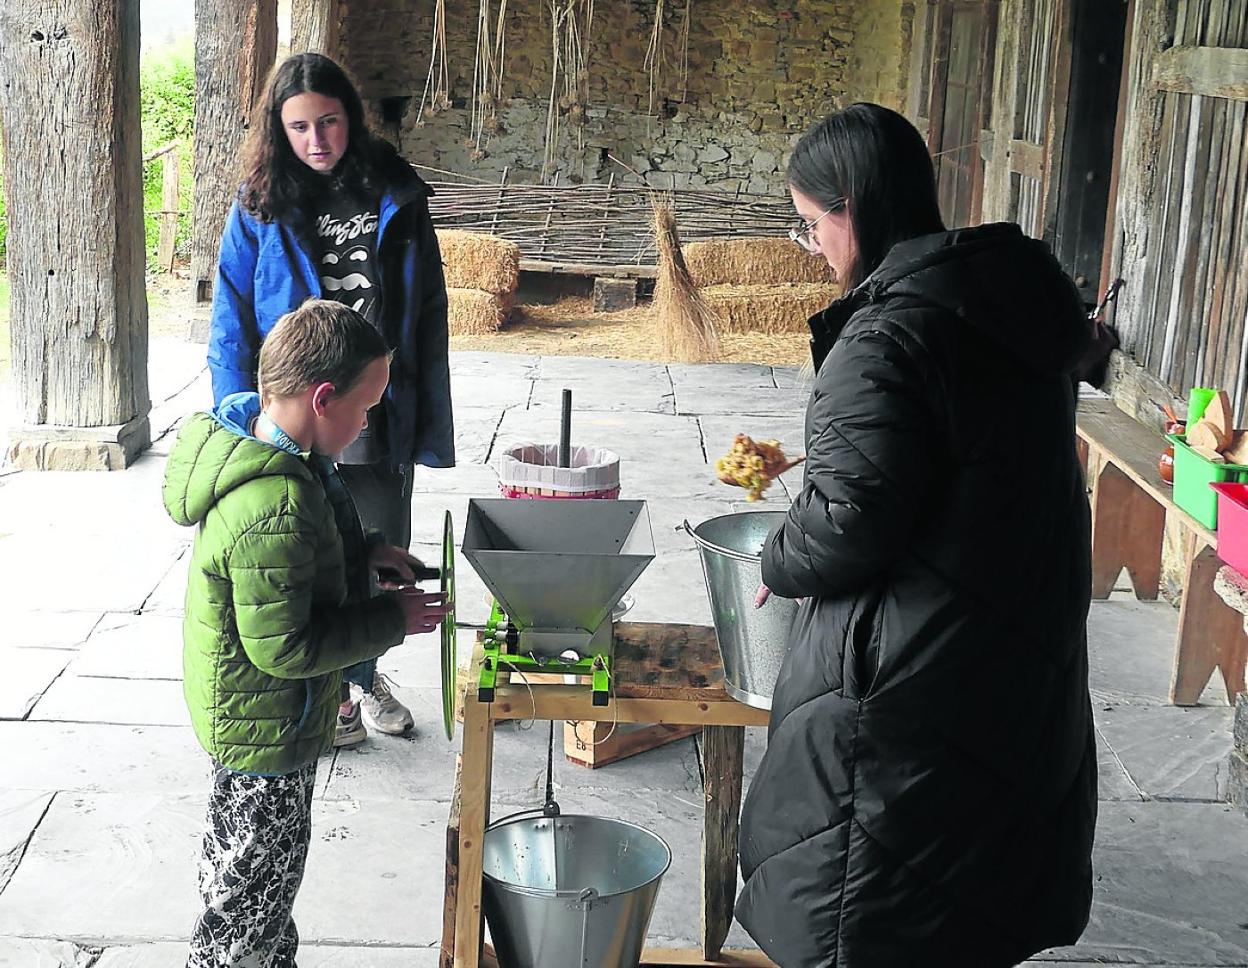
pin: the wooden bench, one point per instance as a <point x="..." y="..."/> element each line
<point x="1130" y="507"/>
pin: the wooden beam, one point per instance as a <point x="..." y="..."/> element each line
<point x="171" y="191"/>
<point x="316" y="25"/>
<point x="235" y="46"/>
<point x="723" y="753"/>
<point x="1209" y="71"/>
<point x="74" y="184"/>
<point x="1027" y="159"/>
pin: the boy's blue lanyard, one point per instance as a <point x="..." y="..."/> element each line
<point x="276" y="436"/>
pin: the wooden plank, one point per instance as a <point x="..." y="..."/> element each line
<point x="589" y="269"/>
<point x="451" y="891"/>
<point x="1128" y="530"/>
<point x="599" y="744"/>
<point x="575" y="702"/>
<point x="1220" y="72"/>
<point x="1211" y="633"/>
<point x="170" y="192"/>
<point x="478" y="755"/>
<point x="723" y="755"/>
<point x="1027" y="159"/>
<point x="687" y="958"/>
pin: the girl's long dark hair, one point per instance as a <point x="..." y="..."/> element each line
<point x="877" y="160"/>
<point x="276" y="184"/>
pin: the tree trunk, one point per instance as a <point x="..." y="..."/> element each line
<point x="235" y="46"/>
<point x="316" y="25"/>
<point x="73" y="181"/>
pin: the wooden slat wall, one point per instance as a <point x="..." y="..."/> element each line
<point x="1182" y="240"/>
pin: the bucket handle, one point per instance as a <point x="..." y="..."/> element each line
<point x="711" y="546"/>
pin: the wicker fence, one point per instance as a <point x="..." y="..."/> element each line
<point x="598" y="226"/>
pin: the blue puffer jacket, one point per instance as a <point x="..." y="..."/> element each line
<point x="266" y="269"/>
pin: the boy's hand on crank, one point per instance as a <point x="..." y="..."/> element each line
<point x="422" y="611"/>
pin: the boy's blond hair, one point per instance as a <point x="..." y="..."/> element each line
<point x="320" y="342"/>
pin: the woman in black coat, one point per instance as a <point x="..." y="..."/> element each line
<point x="928" y="795"/>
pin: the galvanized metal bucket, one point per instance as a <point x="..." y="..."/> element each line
<point x="571" y="891"/>
<point x="752" y="641"/>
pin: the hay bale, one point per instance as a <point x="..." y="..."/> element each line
<point x="471" y="260"/>
<point x="472" y="312"/>
<point x="753" y="262"/>
<point x="768" y="309"/>
<point x="685" y="320"/>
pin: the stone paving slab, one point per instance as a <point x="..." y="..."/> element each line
<point x="27" y="675"/>
<point x="632" y="396"/>
<point x="90" y="699"/>
<point x="173" y="955"/>
<point x="741" y="400"/>
<point x="1171" y="884"/>
<point x="467" y="366"/>
<point x="472" y="479"/>
<point x="474" y="432"/>
<point x="125" y="646"/>
<point x="1171" y="753"/>
<point x="46" y="629"/>
<point x="721" y="376"/>
<point x="95" y="758"/>
<point x="40" y="953"/>
<point x="493" y="392"/>
<point x="129" y="861"/>
<point x="169" y="595"/>
<point x="20" y="812"/>
<point x="1113" y="780"/>
<point x="1134" y="655"/>
<point x="118" y="577"/>
<point x="640" y="437"/>
<point x="792" y="376"/>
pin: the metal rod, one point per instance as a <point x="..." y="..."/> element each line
<point x="565" y="430"/>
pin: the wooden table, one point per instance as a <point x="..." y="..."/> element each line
<point x="1130" y="507"/>
<point x="662" y="674"/>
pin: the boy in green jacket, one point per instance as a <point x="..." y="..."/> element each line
<point x="277" y="605"/>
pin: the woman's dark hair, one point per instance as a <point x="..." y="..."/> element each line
<point x="877" y="160"/>
<point x="275" y="181"/>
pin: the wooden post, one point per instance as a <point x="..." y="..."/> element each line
<point x="316" y="25"/>
<point x="170" y="203"/>
<point x="74" y="184"/>
<point x="451" y="891"/>
<point x="235" y="45"/>
<point x="474" y="817"/>
<point x="723" y="753"/>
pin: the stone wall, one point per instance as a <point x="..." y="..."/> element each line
<point x="760" y="72"/>
<point x="1239" y="755"/>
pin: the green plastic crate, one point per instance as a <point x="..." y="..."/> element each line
<point x="1192" y="477"/>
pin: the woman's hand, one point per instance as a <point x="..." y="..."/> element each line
<point x="761" y="596"/>
<point x="422" y="611"/>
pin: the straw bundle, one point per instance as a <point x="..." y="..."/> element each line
<point x="768" y="309"/>
<point x="753" y="262"/>
<point x="471" y="260"/>
<point x="472" y="312"/>
<point x="685" y="320"/>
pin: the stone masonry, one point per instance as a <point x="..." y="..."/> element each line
<point x="759" y="74"/>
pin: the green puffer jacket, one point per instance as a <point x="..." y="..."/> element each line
<point x="268" y="629"/>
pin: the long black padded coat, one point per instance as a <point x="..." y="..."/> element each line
<point x="928" y="794"/>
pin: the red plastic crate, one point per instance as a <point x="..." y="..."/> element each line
<point x="1233" y="524"/>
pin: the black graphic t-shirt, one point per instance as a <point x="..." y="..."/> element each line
<point x="345" y="229"/>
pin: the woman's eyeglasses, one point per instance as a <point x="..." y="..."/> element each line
<point x="801" y="234"/>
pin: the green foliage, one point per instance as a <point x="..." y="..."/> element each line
<point x="4" y="218"/>
<point x="167" y="85"/>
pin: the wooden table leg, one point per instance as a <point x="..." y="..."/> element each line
<point x="478" y="763"/>
<point x="1211" y="633"/>
<point x="723" y="754"/>
<point x="451" y="894"/>
<point x="1128" y="529"/>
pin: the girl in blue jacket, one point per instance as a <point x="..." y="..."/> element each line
<point x="329" y="210"/>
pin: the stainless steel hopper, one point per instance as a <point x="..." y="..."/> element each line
<point x="558" y="567"/>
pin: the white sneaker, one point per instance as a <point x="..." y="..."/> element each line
<point x="382" y="711"/>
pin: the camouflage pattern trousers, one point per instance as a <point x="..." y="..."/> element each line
<point x="254" y="851"/>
